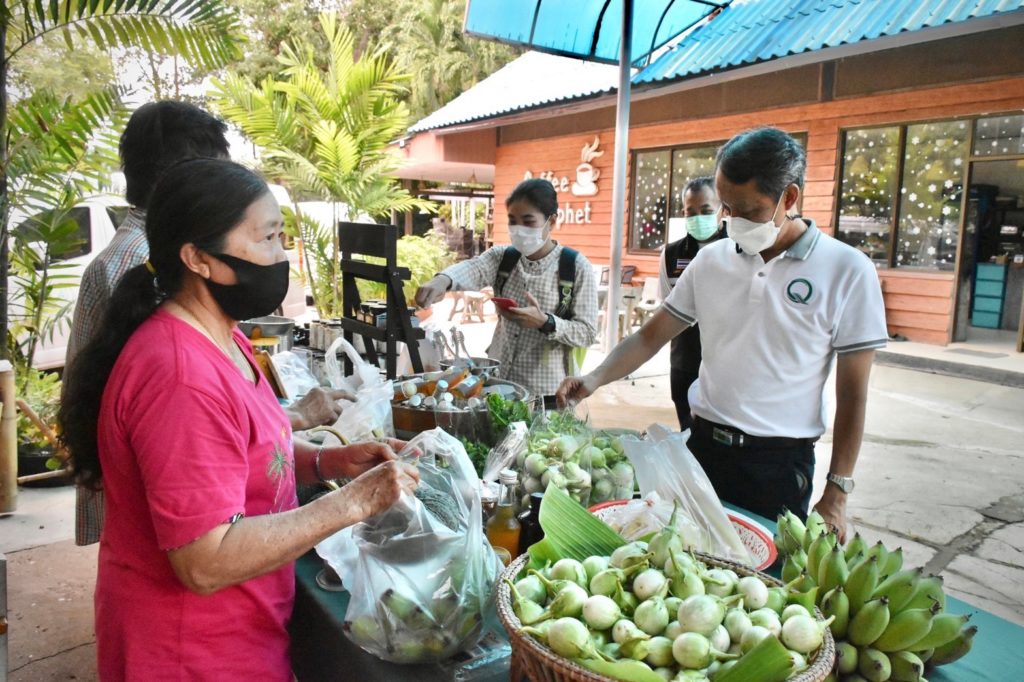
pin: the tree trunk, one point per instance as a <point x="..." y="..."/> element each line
<point x="4" y="204"/>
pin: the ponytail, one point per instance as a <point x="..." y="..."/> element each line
<point x="133" y="301"/>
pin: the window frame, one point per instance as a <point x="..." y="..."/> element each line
<point x="969" y="158"/>
<point x="671" y="149"/>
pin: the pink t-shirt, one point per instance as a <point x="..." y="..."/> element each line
<point x="186" y="443"/>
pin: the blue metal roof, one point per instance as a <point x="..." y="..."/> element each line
<point x="586" y="29"/>
<point x="751" y="31"/>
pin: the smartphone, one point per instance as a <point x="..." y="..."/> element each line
<point x="504" y="303"/>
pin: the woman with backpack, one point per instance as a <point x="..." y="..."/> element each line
<point x="551" y="309"/>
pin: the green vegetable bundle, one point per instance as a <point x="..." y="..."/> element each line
<point x="646" y="612"/>
<point x="889" y="622"/>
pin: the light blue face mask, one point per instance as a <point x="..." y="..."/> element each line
<point x="702" y="227"/>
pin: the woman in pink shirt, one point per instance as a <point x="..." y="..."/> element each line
<point x="168" y="412"/>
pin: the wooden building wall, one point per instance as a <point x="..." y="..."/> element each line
<point x="919" y="304"/>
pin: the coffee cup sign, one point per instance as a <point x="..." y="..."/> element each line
<point x="585" y="185"/>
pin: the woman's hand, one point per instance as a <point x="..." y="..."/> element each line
<point x="433" y="291"/>
<point x="528" y="317"/>
<point x="350" y="461"/>
<point x="316" y="408"/>
<point x="377" y="489"/>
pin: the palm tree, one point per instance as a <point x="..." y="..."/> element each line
<point x="203" y="32"/>
<point x="326" y="133"/>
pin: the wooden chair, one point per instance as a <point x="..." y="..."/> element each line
<point x="472" y="305"/>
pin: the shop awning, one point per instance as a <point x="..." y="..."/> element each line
<point x="587" y="29"/>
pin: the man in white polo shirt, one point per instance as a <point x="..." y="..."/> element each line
<point x="776" y="303"/>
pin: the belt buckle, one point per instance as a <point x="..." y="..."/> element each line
<point x="726" y="437"/>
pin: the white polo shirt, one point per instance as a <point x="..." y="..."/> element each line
<point x="769" y="331"/>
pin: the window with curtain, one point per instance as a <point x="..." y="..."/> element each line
<point x="900" y="193"/>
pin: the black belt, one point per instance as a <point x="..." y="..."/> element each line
<point x="732" y="437"/>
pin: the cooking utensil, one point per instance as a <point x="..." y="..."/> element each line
<point x="460" y="340"/>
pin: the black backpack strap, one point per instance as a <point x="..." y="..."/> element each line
<point x="509" y="257"/>
<point x="566" y="282"/>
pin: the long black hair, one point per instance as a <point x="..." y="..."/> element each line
<point x="197" y="201"/>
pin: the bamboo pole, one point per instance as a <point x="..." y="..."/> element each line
<point x="8" y="440"/>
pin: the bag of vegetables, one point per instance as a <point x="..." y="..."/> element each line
<point x="558" y="451"/>
<point x="420" y="575"/>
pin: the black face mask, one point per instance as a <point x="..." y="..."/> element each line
<point x="259" y="290"/>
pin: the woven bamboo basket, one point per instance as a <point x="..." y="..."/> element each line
<point x="534" y="661"/>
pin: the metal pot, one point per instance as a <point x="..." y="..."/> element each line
<point x="270" y="325"/>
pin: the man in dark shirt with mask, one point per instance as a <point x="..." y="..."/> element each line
<point x="700" y="211"/>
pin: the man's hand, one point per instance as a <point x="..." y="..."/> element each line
<point x="433" y="291"/>
<point x="574" y="389"/>
<point x="316" y="408"/>
<point x="832" y="507"/>
<point x="527" y="317"/>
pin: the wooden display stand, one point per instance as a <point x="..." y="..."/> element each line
<point x="376" y="241"/>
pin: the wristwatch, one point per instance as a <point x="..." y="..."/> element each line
<point x="844" y="483"/>
<point x="549" y="325"/>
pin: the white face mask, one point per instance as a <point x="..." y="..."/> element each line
<point x="753" y="237"/>
<point x="527" y="240"/>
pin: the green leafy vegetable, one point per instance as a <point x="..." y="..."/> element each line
<point x="505" y="412"/>
<point x="477" y="452"/>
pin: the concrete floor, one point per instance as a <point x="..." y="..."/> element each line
<point x="940" y="474"/>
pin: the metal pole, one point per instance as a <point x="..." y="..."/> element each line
<point x="619" y="178"/>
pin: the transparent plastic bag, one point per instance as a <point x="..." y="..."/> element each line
<point x="557" y="452"/>
<point x="369" y="416"/>
<point x="421" y="575"/>
<point x="666" y="466"/>
<point x="638" y="518"/>
<point x="610" y="470"/>
<point x="294" y="373"/>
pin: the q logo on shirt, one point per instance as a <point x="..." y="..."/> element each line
<point x="799" y="291"/>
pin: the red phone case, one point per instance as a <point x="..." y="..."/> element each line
<point x="504" y="303"/>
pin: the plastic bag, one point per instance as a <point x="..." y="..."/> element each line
<point x="504" y="454"/>
<point x="369" y="416"/>
<point x="363" y="373"/>
<point x="420" y="581"/>
<point x="638" y="518"/>
<point x="610" y="470"/>
<point x="294" y="373"/>
<point x="558" y="451"/>
<point x="666" y="466"/>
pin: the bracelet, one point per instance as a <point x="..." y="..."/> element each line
<point x="316" y="465"/>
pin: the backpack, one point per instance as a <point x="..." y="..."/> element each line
<point x="566" y="277"/>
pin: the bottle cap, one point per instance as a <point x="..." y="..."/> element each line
<point x="508" y="476"/>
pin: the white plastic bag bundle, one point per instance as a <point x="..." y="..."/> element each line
<point x="369" y="416"/>
<point x="666" y="466"/>
<point x="420" y="575"/>
<point x="294" y="373"/>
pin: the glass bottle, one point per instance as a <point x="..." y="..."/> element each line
<point x="529" y="522"/>
<point x="503" y="528"/>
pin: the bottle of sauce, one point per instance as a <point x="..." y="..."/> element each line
<point x="503" y="527"/>
<point x="529" y="522"/>
<point x="468" y="388"/>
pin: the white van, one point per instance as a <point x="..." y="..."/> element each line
<point x="97" y="219"/>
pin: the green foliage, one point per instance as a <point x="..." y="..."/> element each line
<point x="326" y="133"/>
<point x="424" y="256"/>
<point x="269" y="24"/>
<point x="50" y="65"/>
<point x="202" y="31"/>
<point x="41" y="391"/>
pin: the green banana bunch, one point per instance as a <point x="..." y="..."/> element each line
<point x="869" y="623"/>
<point x="833" y="571"/>
<point x="955" y="649"/>
<point x="928" y="591"/>
<point x="861" y="583"/>
<point x="846" y="658"/>
<point x="906" y="667"/>
<point x="836" y="604"/>
<point x="904" y="629"/>
<point x="945" y="628"/>
<point x="898" y="588"/>
<point x="856" y="546"/>
<point x="874" y="665"/>
<point x="817" y="550"/>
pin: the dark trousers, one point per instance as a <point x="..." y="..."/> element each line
<point x="680" y="381"/>
<point x="764" y="479"/>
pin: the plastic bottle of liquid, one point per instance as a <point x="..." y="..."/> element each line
<point x="503" y="528"/>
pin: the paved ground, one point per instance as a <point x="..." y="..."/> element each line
<point x="940" y="474"/>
